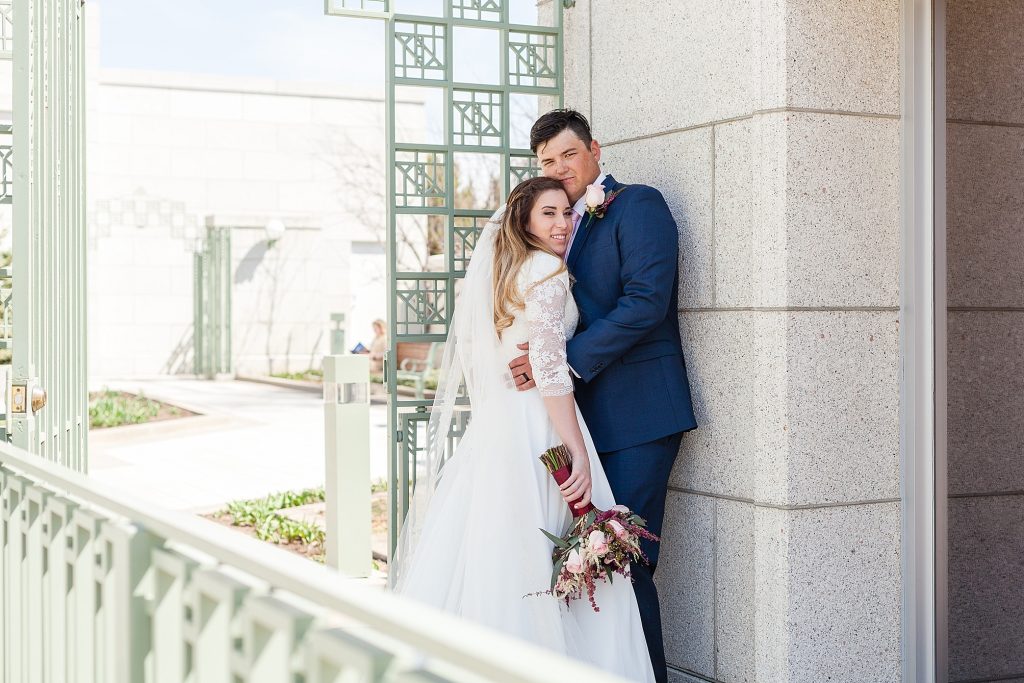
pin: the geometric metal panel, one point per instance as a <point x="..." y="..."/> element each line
<point x="420" y="50"/>
<point x="480" y="10"/>
<point x="6" y="164"/>
<point x="422" y="306"/>
<point x="522" y="167"/>
<point x="420" y="178"/>
<point x="477" y="118"/>
<point x="377" y="9"/>
<point x="532" y="59"/>
<point x="466" y="231"/>
<point x="6" y="29"/>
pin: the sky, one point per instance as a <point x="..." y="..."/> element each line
<point x="279" y="39"/>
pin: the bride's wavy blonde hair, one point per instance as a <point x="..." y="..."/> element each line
<point x="512" y="246"/>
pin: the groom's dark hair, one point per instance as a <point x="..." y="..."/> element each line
<point x="554" y="122"/>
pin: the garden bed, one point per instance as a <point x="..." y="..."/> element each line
<point x="294" y="521"/>
<point x="109" y="408"/>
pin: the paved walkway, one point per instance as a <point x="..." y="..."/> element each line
<point x="251" y="439"/>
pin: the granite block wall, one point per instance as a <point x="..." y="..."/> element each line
<point x="772" y="129"/>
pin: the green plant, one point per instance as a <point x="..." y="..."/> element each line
<point x="113" y="408"/>
<point x="262" y="515"/>
<point x="311" y="375"/>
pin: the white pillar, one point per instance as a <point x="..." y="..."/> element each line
<point x="347" y="448"/>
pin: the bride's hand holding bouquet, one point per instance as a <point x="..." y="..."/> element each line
<point x="578" y="487"/>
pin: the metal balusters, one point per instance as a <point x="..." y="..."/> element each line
<point x="97" y="587"/>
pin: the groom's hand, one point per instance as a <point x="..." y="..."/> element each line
<point x="522" y="371"/>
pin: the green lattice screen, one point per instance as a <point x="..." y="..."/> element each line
<point x="484" y="69"/>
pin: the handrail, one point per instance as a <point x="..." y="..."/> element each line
<point x="487" y="653"/>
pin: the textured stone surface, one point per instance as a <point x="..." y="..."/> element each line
<point x="661" y="66"/>
<point x="827" y="590"/>
<point x="806" y="211"/>
<point x="842" y="412"/>
<point x="576" y="67"/>
<point x="985" y="60"/>
<point x="986" y="587"/>
<point x="840" y="214"/>
<point x="837" y="56"/>
<point x="985" y="215"/>
<point x="985" y="401"/>
<point x="736" y="365"/>
<point x="685" y="582"/>
<point x="793" y="407"/>
<point x="734" y="591"/>
<point x="750" y="212"/>
<point x="679" y="165"/>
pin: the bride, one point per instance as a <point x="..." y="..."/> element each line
<point x="471" y="543"/>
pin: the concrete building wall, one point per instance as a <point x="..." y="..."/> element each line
<point x="985" y="291"/>
<point x="210" y="146"/>
<point x="772" y="129"/>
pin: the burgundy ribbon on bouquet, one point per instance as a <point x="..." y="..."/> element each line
<point x="561" y="476"/>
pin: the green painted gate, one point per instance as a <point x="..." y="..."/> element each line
<point x="211" y="328"/>
<point x="43" y="160"/>
<point x="484" y="69"/>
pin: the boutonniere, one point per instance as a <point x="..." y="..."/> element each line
<point x="597" y="200"/>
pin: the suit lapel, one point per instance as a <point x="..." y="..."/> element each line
<point x="587" y="225"/>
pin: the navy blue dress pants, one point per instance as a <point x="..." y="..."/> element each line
<point x="639" y="479"/>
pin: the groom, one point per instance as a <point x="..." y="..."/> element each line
<point x="631" y="383"/>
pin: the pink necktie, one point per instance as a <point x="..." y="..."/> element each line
<point x="572" y="237"/>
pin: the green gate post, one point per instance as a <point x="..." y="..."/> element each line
<point x="211" y="335"/>
<point x="347" y="440"/>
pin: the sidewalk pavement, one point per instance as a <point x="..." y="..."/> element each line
<point x="250" y="439"/>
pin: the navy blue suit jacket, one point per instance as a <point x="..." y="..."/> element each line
<point x="633" y="386"/>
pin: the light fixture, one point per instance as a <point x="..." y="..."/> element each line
<point x="275" y="231"/>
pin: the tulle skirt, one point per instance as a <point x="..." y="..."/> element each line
<point x="480" y="553"/>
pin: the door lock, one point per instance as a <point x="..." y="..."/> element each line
<point x="21" y="394"/>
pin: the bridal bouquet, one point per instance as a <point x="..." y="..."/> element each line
<point x="597" y="545"/>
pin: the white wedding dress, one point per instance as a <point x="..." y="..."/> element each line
<point x="478" y="551"/>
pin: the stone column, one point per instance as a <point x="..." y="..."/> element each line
<point x="985" y="295"/>
<point x="772" y="129"/>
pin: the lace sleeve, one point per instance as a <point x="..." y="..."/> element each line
<point x="545" y="314"/>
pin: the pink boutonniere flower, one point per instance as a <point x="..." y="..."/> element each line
<point x="598" y="201"/>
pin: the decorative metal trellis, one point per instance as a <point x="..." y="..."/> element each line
<point x="436" y="213"/>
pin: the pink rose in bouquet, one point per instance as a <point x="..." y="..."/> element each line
<point x="574" y="563"/>
<point x="598" y="543"/>
<point x="617" y="528"/>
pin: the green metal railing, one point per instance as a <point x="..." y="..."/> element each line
<point x="96" y="587"/>
<point x="436" y="209"/>
<point x="48" y="404"/>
